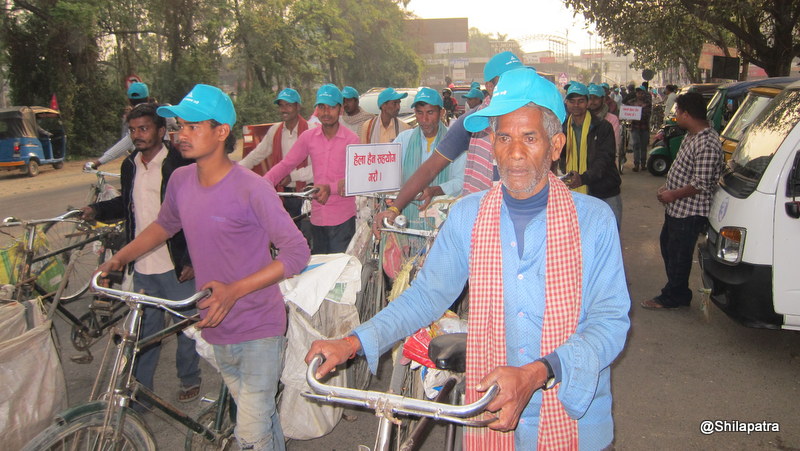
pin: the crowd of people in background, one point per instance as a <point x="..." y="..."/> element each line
<point x="195" y="216"/>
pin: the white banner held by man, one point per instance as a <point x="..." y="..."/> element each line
<point x="373" y="168"/>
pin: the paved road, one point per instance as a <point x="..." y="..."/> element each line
<point x="678" y="368"/>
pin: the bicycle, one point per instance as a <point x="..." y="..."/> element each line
<point x="100" y="190"/>
<point x="108" y="420"/>
<point x="393" y="405"/>
<point x="55" y="260"/>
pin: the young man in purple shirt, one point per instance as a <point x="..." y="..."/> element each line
<point x="333" y="216"/>
<point x="230" y="216"/>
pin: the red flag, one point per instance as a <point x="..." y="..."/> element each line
<point x="54" y="103"/>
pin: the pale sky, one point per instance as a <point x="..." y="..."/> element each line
<point x="516" y="18"/>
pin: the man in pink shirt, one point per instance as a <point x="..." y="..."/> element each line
<point x="333" y="216"/>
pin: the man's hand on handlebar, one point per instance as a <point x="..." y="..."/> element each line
<point x="322" y="195"/>
<point x="335" y="352"/>
<point x="517" y="385"/>
<point x="377" y="221"/>
<point x="223" y="297"/>
<point x="427" y="195"/>
<point x="88" y="213"/>
<point x="111" y="265"/>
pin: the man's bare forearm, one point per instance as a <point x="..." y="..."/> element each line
<point x="421" y="178"/>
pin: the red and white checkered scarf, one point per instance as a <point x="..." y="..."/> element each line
<point x="486" y="343"/>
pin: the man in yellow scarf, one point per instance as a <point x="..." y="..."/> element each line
<point x="589" y="155"/>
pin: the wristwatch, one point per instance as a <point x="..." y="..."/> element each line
<point x="550" y="382"/>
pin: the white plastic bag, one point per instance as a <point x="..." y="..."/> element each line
<point x="302" y="418"/>
<point x="32" y="386"/>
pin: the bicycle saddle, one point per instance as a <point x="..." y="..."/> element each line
<point x="449" y="352"/>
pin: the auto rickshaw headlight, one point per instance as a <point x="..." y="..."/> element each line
<point x="730" y="244"/>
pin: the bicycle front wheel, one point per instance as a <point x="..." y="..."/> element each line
<point x="86" y="432"/>
<point x="63" y="234"/>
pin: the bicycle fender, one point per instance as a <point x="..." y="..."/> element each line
<point x="86" y="409"/>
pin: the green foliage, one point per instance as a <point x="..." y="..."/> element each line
<point x="664" y="32"/>
<point x="84" y="51"/>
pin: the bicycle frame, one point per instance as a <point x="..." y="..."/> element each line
<point x="122" y="387"/>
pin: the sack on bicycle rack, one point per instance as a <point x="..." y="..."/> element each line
<point x="302" y="418"/>
<point x="32" y="385"/>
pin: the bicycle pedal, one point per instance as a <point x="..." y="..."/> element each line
<point x="82" y="359"/>
<point x="102" y="305"/>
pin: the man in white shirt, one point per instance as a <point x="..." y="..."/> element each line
<point x="353" y="115"/>
<point x="165" y="272"/>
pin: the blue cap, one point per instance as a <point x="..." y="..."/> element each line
<point x="500" y="63"/>
<point x="605" y="85"/>
<point x="138" y="90"/>
<point x="289" y="95"/>
<point x="203" y="102"/>
<point x="596" y="90"/>
<point x="389" y="94"/>
<point x="577" y="88"/>
<point x="429" y="96"/>
<point x="641" y="88"/>
<point x="517" y="88"/>
<point x="475" y="85"/>
<point x="474" y="94"/>
<point x="329" y="95"/>
<point x="349" y="92"/>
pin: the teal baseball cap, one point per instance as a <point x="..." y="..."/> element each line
<point x="517" y="88"/>
<point x="500" y="63"/>
<point x="474" y="94"/>
<point x="429" y="96"/>
<point x="578" y="89"/>
<point x="203" y="102"/>
<point x="605" y="85"/>
<point x="389" y="94"/>
<point x="289" y="95"/>
<point x="475" y="85"/>
<point x="596" y="90"/>
<point x="349" y="92"/>
<point x="329" y="95"/>
<point x="138" y="90"/>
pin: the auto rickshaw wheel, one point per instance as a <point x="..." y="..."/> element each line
<point x="32" y="168"/>
<point x="58" y="165"/>
<point x="658" y="165"/>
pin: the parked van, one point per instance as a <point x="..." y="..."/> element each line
<point x="749" y="258"/>
<point x="758" y="97"/>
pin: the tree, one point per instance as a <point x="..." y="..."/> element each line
<point x="52" y="49"/>
<point x="766" y="32"/>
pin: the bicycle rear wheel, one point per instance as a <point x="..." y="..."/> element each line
<point x="86" y="432"/>
<point x="369" y="301"/>
<point x="87" y="257"/>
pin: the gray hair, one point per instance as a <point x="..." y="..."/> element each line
<point x="551" y="123"/>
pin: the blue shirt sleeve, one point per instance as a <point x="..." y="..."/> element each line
<point x="456" y="141"/>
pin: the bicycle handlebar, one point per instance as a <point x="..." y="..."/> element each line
<point x="400" y="226"/>
<point x="389" y="403"/>
<point x="305" y="194"/>
<point x="11" y="221"/>
<point x="87" y="168"/>
<point x="140" y="298"/>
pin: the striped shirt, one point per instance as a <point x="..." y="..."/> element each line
<point x="698" y="163"/>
